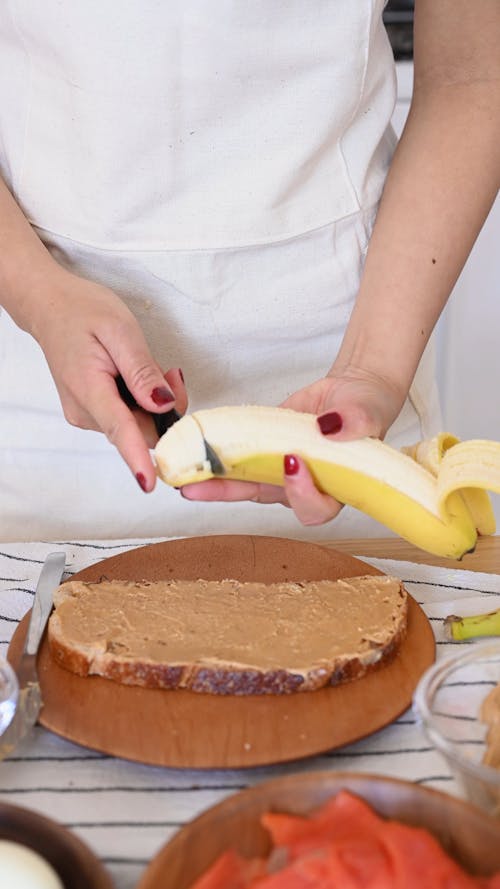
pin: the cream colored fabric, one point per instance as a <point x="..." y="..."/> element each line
<point x="218" y="164"/>
<point x="245" y="326"/>
<point x="193" y="124"/>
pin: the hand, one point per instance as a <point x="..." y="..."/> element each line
<point x="349" y="404"/>
<point x="89" y="337"/>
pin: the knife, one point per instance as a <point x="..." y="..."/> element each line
<point x="165" y="421"/>
<point x="30" y="699"/>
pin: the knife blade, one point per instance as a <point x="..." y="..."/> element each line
<point x="165" y="421"/>
<point x="30" y="699"/>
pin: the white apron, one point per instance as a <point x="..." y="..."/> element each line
<point x="218" y="165"/>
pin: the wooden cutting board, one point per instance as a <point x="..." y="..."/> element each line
<point x="186" y="729"/>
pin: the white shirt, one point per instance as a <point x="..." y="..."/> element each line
<point x="119" y="121"/>
<point x="218" y="164"/>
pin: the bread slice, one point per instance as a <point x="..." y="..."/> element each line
<point x="228" y="637"/>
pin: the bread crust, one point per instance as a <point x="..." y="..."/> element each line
<point x="204" y="675"/>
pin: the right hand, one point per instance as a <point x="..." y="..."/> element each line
<point x="89" y="337"/>
<point x="349" y="404"/>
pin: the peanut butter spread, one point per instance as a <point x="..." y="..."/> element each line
<point x="490" y="715"/>
<point x="282" y="626"/>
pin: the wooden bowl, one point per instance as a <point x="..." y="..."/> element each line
<point x="469" y="835"/>
<point x="76" y="866"/>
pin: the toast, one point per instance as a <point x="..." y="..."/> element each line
<point x="228" y="637"/>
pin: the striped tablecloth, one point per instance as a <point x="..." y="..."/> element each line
<point x="124" y="811"/>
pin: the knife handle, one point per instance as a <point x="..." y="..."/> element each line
<point x="49" y="580"/>
<point x="162" y="421"/>
<point x="165" y="421"/>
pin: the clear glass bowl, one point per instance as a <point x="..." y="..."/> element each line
<point x="448" y="702"/>
<point x="9" y="693"/>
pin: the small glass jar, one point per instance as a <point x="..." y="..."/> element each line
<point x="9" y="693"/>
<point x="448" y="704"/>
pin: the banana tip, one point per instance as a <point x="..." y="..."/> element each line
<point x="448" y="625"/>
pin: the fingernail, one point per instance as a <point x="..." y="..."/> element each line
<point x="162" y="395"/>
<point x="330" y="423"/>
<point x="141" y="480"/>
<point x="181" y="374"/>
<point x="291" y="464"/>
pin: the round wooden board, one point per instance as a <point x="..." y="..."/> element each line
<point x="470" y="836"/>
<point x="184" y="729"/>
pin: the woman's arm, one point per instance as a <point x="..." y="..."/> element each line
<point x="88" y="337"/>
<point x="441" y="185"/>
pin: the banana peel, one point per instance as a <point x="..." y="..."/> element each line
<point x="433" y="494"/>
<point x="459" y="629"/>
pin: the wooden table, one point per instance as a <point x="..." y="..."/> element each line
<point x="125" y="811"/>
<point x="485" y="558"/>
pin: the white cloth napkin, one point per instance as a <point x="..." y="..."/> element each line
<point x="126" y="811"/>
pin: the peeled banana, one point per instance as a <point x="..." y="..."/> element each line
<point x="458" y="629"/>
<point x="433" y="494"/>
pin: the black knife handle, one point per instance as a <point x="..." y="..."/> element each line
<point x="162" y="421"/>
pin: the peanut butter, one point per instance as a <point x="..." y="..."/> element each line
<point x="283" y="626"/>
<point x="490" y="715"/>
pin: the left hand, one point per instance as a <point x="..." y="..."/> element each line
<point x="350" y="404"/>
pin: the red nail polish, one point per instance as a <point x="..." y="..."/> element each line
<point x="291" y="464"/>
<point x="141" y="480"/>
<point x="162" y="395"/>
<point x="181" y="374"/>
<point x="330" y="423"/>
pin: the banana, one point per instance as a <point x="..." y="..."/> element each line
<point x="433" y="495"/>
<point x="458" y="629"/>
<point x="471" y="467"/>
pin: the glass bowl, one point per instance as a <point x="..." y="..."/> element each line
<point x="448" y="703"/>
<point x="9" y="693"/>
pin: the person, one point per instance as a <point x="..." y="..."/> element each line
<point x="206" y="198"/>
